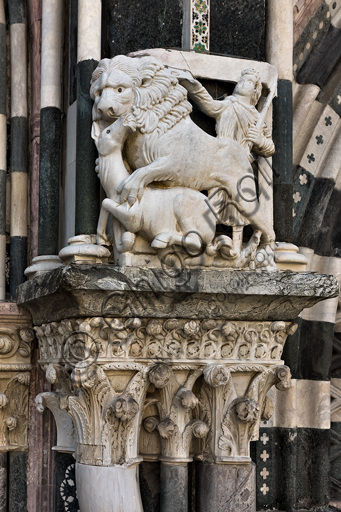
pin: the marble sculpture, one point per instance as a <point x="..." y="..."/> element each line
<point x="155" y="162"/>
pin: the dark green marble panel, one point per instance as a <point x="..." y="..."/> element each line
<point x="18" y="264"/>
<point x="49" y="178"/>
<point x="19" y="150"/>
<point x="3" y="73"/>
<point x="308" y="352"/>
<point x="17" y="482"/>
<point x="135" y="25"/>
<point x="237" y="27"/>
<point x="87" y="182"/>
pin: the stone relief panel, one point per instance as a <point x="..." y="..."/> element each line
<point x="154" y="163"/>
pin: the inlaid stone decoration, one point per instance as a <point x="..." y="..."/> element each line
<point x="200" y="33"/>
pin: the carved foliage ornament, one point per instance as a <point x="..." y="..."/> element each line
<point x="181" y="339"/>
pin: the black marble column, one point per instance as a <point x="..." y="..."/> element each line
<point x="17" y="482"/>
<point x="224" y="487"/>
<point x="150" y="486"/>
<point x="3" y="481"/>
<point x="173" y="487"/>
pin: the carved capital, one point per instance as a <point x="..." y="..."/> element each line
<point x="108" y="385"/>
<point x="16" y="337"/>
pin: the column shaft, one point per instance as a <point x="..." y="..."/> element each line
<point x="279" y="52"/>
<point x="19" y="150"/>
<point x="17" y="482"/>
<point x="50" y="128"/>
<point x="222" y="487"/>
<point x="173" y="487"/>
<point x="88" y="55"/>
<point x="3" y="481"/>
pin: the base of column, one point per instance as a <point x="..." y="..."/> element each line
<point x="108" y="489"/>
<point x="226" y="487"/>
<point x="173" y="487"/>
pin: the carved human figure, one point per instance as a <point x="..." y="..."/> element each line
<point x="236" y="115"/>
<point x="236" y="119"/>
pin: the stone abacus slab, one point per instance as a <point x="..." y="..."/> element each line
<point x="85" y="290"/>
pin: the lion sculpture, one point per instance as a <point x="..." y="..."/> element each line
<point x="165" y="147"/>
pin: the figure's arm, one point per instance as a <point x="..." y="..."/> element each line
<point x="261" y="139"/>
<point x="199" y="94"/>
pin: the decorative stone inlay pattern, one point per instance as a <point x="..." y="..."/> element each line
<point x="265" y="438"/>
<point x="68" y="490"/>
<point x="200" y="31"/>
<point x="175" y="339"/>
<point x="264" y="473"/>
<point x="264" y="455"/>
<point x="264" y="489"/>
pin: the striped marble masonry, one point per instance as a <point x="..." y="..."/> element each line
<point x="19" y="150"/>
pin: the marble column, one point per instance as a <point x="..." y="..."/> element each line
<point x="279" y="52"/>
<point x="3" y="151"/>
<point x="50" y="127"/>
<point x="223" y="487"/>
<point x="19" y="139"/>
<point x="3" y="481"/>
<point x="173" y="487"/>
<point x="88" y="55"/>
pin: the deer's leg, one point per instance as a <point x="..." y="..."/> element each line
<point x="102" y="238"/>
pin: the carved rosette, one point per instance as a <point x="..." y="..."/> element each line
<point x="128" y="389"/>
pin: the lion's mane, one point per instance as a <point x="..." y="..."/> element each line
<point x="160" y="102"/>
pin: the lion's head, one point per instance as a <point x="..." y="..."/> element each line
<point x="142" y="87"/>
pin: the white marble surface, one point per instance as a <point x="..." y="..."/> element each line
<point x="279" y="40"/>
<point x="108" y="489"/>
<point x="213" y="67"/>
<point x="18" y="70"/>
<point x="51" y="53"/>
<point x="89" y="30"/>
<point x="305" y="405"/>
<point x="19" y="204"/>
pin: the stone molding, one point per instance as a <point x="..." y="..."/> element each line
<point x="117" y="339"/>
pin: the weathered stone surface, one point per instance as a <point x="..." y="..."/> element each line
<point x="226" y="488"/>
<point x="3" y="481"/>
<point x="173" y="487"/>
<point x="84" y="290"/>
